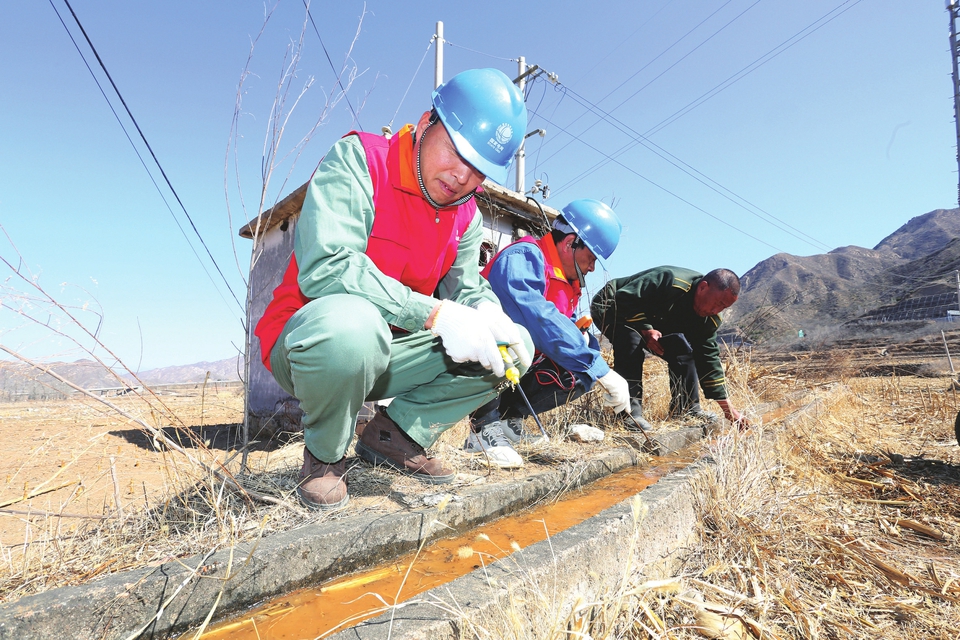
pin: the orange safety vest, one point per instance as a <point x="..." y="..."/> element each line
<point x="564" y="295"/>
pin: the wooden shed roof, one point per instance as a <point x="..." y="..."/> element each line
<point x="493" y="198"/>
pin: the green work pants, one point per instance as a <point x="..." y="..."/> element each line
<point x="337" y="352"/>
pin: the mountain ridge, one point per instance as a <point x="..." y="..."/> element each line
<point x="785" y="294"/>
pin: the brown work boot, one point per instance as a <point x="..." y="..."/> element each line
<point x="322" y="486"/>
<point x="384" y="443"/>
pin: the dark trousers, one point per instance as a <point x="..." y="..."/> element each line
<point x="628" y="357"/>
<point x="547" y="386"/>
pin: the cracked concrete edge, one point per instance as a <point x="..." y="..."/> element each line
<point x="118" y="605"/>
<point x="541" y="583"/>
<point x="584" y="561"/>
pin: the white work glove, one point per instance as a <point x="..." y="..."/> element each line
<point x="504" y="330"/>
<point x="466" y="336"/>
<point x="616" y="393"/>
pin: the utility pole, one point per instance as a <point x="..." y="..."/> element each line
<point x="958" y="290"/>
<point x="521" y="152"/>
<point x="953" y="9"/>
<point x="438" y="63"/>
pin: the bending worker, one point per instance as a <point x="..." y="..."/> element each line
<point x="384" y="225"/>
<point x="674" y="313"/>
<point x="538" y="283"/>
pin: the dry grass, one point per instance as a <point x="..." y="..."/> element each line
<point x="850" y="529"/>
<point x="845" y="525"/>
<point x="846" y="528"/>
<point x="132" y="502"/>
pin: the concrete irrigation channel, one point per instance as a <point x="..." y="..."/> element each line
<point x="168" y="600"/>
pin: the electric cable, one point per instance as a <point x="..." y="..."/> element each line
<point x="144" y="164"/>
<point x="489" y="55"/>
<point x="539" y="146"/>
<point x="699" y="176"/>
<point x="415" y="73"/>
<point x="688" y="54"/>
<point x="654" y="59"/>
<point x="796" y="38"/>
<point x="589" y="71"/>
<point x="356" y="117"/>
<point x="756" y="64"/>
<point x="665" y="190"/>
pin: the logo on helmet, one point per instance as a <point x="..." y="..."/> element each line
<point x="504" y="133"/>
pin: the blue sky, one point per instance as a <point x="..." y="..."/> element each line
<point x="841" y="138"/>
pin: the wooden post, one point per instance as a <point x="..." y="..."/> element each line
<point x="947" y="349"/>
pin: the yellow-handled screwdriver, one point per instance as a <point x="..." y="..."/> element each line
<point x="513" y="375"/>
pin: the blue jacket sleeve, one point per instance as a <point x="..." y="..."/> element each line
<point x="517" y="278"/>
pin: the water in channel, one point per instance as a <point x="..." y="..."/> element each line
<point x="344" y="602"/>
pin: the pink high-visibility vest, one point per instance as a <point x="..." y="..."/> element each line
<point x="410" y="241"/>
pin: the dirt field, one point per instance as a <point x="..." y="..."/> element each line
<point x="81" y="460"/>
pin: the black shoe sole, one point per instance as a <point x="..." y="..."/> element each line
<point x="377" y="459"/>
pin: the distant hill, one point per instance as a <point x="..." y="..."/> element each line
<point x="222" y="370"/>
<point x="786" y="293"/>
<point x="20" y="381"/>
<point x="923" y="235"/>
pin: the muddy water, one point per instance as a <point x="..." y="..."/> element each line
<point x="344" y="602"/>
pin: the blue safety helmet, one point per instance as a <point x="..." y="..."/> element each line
<point x="484" y="114"/>
<point x="596" y="225"/>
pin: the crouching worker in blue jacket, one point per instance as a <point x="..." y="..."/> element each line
<point x="538" y="283"/>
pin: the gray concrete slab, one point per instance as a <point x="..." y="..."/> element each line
<point x="581" y="562"/>
<point x="177" y="595"/>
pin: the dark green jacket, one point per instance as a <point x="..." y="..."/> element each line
<point x="662" y="298"/>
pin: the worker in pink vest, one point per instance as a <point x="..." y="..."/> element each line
<point x="539" y="283"/>
<point x="383" y="298"/>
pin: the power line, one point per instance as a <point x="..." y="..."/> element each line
<point x="756" y="64"/>
<point x="635" y="31"/>
<point x="684" y="56"/>
<point x="356" y="118"/>
<point x="415" y="74"/>
<point x="753" y="66"/>
<point x="142" y="137"/>
<point x="489" y="55"/>
<point x="637" y="138"/>
<point x="641" y="138"/>
<point x="137" y="151"/>
<point x="654" y="59"/>
<point x="662" y="188"/>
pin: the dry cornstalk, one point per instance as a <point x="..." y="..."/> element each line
<point x="921" y="528"/>
<point x="37" y="492"/>
<point x="892" y="573"/>
<point x="715" y="625"/>
<point x="116" y="487"/>
<point x="865" y="483"/>
<point x="733" y="595"/>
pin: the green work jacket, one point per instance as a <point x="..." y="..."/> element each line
<point x="662" y="298"/>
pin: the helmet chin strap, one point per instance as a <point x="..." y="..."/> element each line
<point x="580" y="275"/>
<point x="423" y="188"/>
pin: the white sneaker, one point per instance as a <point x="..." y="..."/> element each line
<point x="514" y="432"/>
<point x="492" y="442"/>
